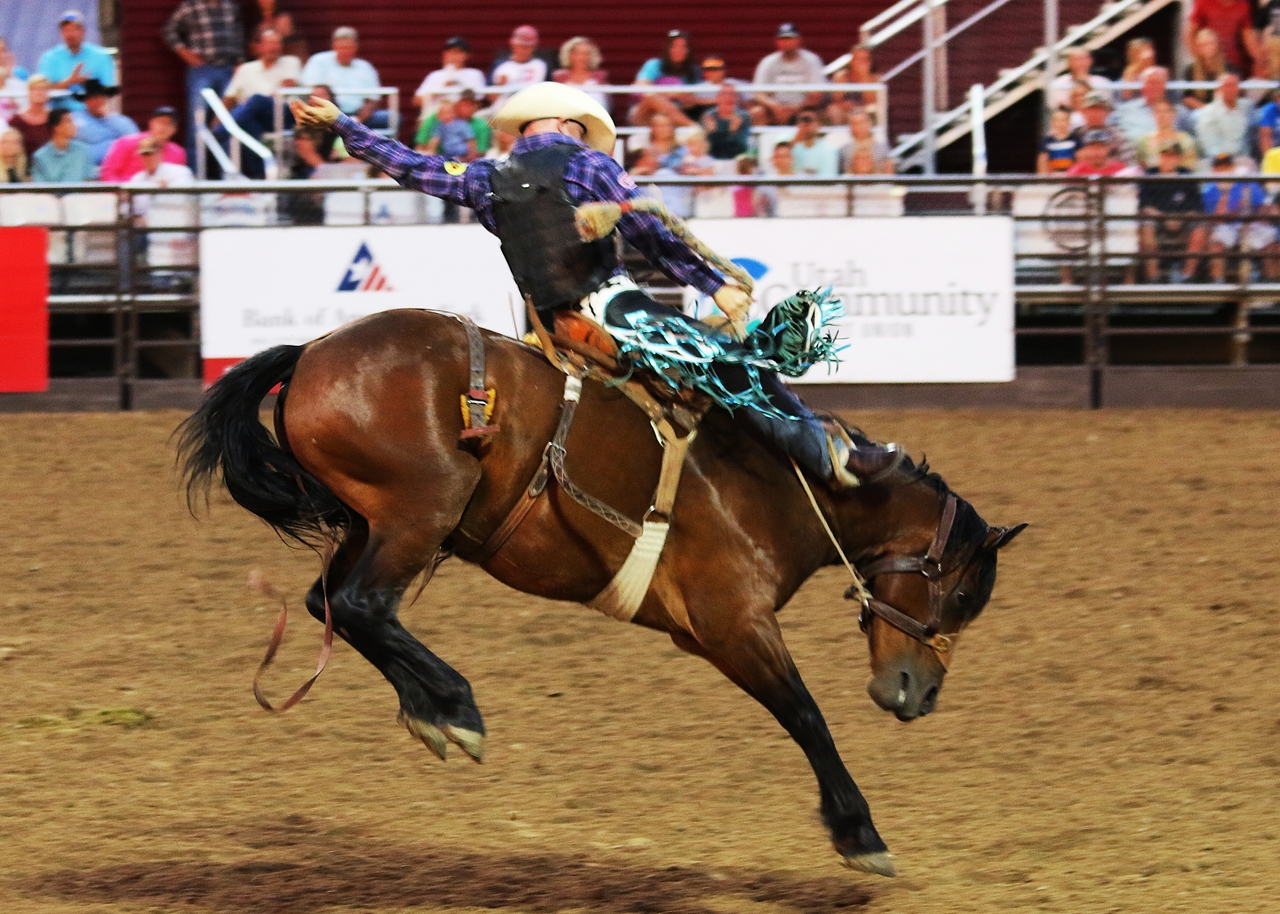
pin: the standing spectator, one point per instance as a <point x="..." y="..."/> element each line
<point x="208" y="37"/>
<point x="465" y="110"/>
<point x="263" y="77"/>
<point x="123" y="160"/>
<point x="1164" y="199"/>
<point x="1097" y="112"/>
<point x="522" y="69"/>
<point x="580" y="66"/>
<point x="71" y="63"/>
<point x="451" y="136"/>
<point x="1246" y="198"/>
<point x="1222" y="126"/>
<point x="861" y="136"/>
<point x="811" y="154"/>
<point x="1233" y="22"/>
<point x="1094" y="157"/>
<point x="1139" y="57"/>
<point x="62" y="160"/>
<point x="14" y="168"/>
<point x="1058" y="148"/>
<point x="1079" y="67"/>
<point x="728" y="127"/>
<point x="453" y="76"/>
<point x="1137" y="118"/>
<point x="790" y="63"/>
<point x="1208" y="64"/>
<point x="33" y="123"/>
<point x="266" y="16"/>
<point x="1268" y="125"/>
<point x="346" y="75"/>
<point x="156" y="172"/>
<point x="97" y="127"/>
<point x="674" y="68"/>
<point x="1148" y="147"/>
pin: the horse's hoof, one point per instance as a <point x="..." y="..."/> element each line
<point x="879" y="863"/>
<point x="430" y="735"/>
<point x="471" y="742"/>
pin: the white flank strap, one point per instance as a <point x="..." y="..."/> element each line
<point x="621" y="599"/>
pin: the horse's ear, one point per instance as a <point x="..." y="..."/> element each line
<point x="999" y="537"/>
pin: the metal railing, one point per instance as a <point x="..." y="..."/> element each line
<point x="1098" y="281"/>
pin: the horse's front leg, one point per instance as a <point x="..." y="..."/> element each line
<point x="750" y="651"/>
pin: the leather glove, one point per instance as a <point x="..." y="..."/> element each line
<point x="735" y="302"/>
<point x="317" y="112"/>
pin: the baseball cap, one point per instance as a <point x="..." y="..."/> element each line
<point x="166" y="111"/>
<point x="787" y="30"/>
<point x="525" y="34"/>
<point x="457" y="42"/>
<point x="71" y="16"/>
<point x="713" y="63"/>
<point x="1097" y="99"/>
<point x="467" y="95"/>
<point x="148" y="146"/>
<point x="1171" y="146"/>
<point x="1095" y="136"/>
<point x="1223" y="158"/>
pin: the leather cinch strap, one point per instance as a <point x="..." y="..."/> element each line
<point x="477" y="402"/>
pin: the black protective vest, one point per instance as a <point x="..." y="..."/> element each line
<point x="534" y="217"/>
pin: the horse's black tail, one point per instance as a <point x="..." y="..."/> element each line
<point x="225" y="435"/>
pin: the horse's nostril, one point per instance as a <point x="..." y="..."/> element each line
<point x="904" y="683"/>
<point x="930" y="699"/>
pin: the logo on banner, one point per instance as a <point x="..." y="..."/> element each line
<point x="365" y="274"/>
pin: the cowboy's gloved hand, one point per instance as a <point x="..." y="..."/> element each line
<point x="735" y="302"/>
<point x="317" y="112"/>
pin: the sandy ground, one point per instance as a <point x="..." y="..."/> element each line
<point x="1108" y="740"/>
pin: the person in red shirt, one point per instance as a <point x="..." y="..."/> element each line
<point x="1232" y="20"/>
<point x="123" y="159"/>
<point x="1094" y="157"/>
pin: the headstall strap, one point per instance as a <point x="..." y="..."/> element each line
<point x="478" y="401"/>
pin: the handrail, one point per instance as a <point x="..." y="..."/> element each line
<point x="950" y="33"/>
<point x="215" y="149"/>
<point x="220" y="110"/>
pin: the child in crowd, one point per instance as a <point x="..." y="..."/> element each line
<point x="452" y="137"/>
<point x="1058" y="148"/>
<point x="744" y="195"/>
<point x="697" y="156"/>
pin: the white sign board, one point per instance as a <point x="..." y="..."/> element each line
<point x="271" y="286"/>
<point x="926" y="299"/>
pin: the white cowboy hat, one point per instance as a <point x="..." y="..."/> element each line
<point x="558" y="100"/>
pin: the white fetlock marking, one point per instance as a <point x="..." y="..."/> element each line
<point x="622" y="597"/>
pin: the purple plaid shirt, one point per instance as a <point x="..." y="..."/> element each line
<point x="590" y="176"/>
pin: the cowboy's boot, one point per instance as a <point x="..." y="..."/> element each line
<point x="854" y="465"/>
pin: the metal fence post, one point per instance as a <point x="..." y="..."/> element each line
<point x="1095" y="316"/>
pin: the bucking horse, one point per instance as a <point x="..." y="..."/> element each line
<point x="378" y="460"/>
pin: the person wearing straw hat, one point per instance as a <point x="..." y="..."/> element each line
<point x="560" y="177"/>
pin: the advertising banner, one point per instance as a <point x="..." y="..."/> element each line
<point x="926" y="299"/>
<point x="263" y="287"/>
<point x="24" y="310"/>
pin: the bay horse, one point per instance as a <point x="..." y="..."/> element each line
<point x="367" y="457"/>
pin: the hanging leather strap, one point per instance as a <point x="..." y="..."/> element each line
<point x="477" y="401"/>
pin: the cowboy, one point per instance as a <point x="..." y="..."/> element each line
<point x="561" y="161"/>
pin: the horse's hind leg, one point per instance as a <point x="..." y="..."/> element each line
<point x="365" y="582"/>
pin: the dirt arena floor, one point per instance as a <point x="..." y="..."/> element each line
<point x="1108" y="739"/>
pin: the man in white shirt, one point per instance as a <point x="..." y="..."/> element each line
<point x="155" y="171"/>
<point x="1079" y="61"/>
<point x="522" y="69"/>
<point x="791" y="63"/>
<point x="263" y="76"/>
<point x="346" y="74"/>
<point x="453" y="76"/>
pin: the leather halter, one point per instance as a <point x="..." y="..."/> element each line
<point x="929" y="565"/>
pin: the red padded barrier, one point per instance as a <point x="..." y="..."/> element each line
<point x="24" y="310"/>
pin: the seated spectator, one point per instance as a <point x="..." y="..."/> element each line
<point x="580" y="66"/>
<point x="1271" y="63"/>
<point x="1139" y="57"/>
<point x="1079" y="70"/>
<point x="263" y="77"/>
<point x="155" y="171"/>
<point x="1148" y="147"/>
<point x="744" y="195"/>
<point x="697" y="158"/>
<point x="71" y="63"/>
<point x="666" y="149"/>
<point x="1078" y="96"/>
<point x="315" y="147"/>
<point x="811" y="154"/>
<point x="33" y="123"/>
<point x="1175" y="236"/>
<point x="674" y="68"/>
<point x="782" y="164"/>
<point x="790" y="63"/>
<point x="13" y="86"/>
<point x="859" y="70"/>
<point x="1208" y="64"/>
<point x="728" y="127"/>
<point x="715" y="78"/>
<point x="1097" y="112"/>
<point x="64" y="159"/>
<point x="346" y="74"/>
<point x="1058" y="148"/>
<point x="1222" y="126"/>
<point x="1094" y="157"/>
<point x="9" y="62"/>
<point x="465" y="109"/>
<point x="863" y="137"/>
<point x="453" y="76"/>
<point x="862" y="162"/>
<point x="451" y="136"/>
<point x="268" y="17"/>
<point x="1245" y="198"/>
<point x="123" y="160"/>
<point x="522" y="69"/>
<point x="500" y="146"/>
<point x="1267" y="123"/>
<point x="14" y="168"/>
<point x="1232" y="20"/>
<point x="1137" y="118"/>
<point x="1268" y="20"/>
<point x="97" y="127"/>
